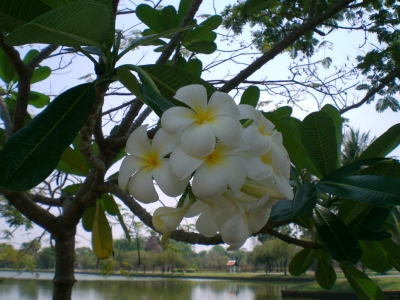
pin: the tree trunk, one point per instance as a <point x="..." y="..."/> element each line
<point x="64" y="278"/>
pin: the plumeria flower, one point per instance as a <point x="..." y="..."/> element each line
<point x="167" y="219"/>
<point x="208" y="209"/>
<point x="224" y="167"/>
<point x="147" y="161"/>
<point x="203" y="121"/>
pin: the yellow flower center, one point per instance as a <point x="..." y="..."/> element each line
<point x="151" y="160"/>
<point x="267" y="158"/>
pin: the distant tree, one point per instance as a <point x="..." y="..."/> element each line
<point x="46" y="258"/>
<point x="354" y="143"/>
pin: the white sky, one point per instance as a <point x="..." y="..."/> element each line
<point x="345" y="45"/>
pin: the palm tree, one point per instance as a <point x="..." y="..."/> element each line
<point x="354" y="143"/>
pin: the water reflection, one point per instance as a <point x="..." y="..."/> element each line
<point x="93" y="287"/>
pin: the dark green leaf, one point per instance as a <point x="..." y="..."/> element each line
<point x="169" y="17"/>
<point x="7" y="70"/>
<point x="393" y="252"/>
<point x="110" y="205"/>
<point x="364" y="287"/>
<point x="255" y="6"/>
<point x="350" y="210"/>
<point x="303" y="203"/>
<point x="384" y="144"/>
<point x="2" y="137"/>
<point x="340" y="241"/>
<point x="195" y="67"/>
<point x="38" y="100"/>
<point x="102" y="241"/>
<point x="40" y="74"/>
<point x="389" y="167"/>
<point x="380" y="191"/>
<point x="355" y="167"/>
<point x="129" y="81"/>
<point x="372" y="218"/>
<point x="15" y="13"/>
<point x="73" y="162"/>
<point x="373" y="235"/>
<point x="318" y="135"/>
<point x="151" y="17"/>
<point x="338" y="122"/>
<point x="374" y="257"/>
<point x="203" y="28"/>
<point x="251" y="96"/>
<point x="169" y="79"/>
<point x="325" y="274"/>
<point x="283" y="112"/>
<point x="205" y="47"/>
<point x="67" y="25"/>
<point x="157" y="102"/>
<point x="183" y="7"/>
<point x="88" y="218"/>
<point x="31" y="154"/>
<point x="301" y="262"/>
<point x="71" y="189"/>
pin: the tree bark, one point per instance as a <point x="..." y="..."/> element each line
<point x="64" y="278"/>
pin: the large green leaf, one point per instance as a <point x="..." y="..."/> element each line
<point x="204" y="28"/>
<point x="38" y="100"/>
<point x="169" y="79"/>
<point x="102" y="241"/>
<point x="31" y="154"/>
<point x="393" y="252"/>
<point x="340" y="241"/>
<point x="301" y="262"/>
<point x="384" y="144"/>
<point x="325" y="274"/>
<point x="364" y="287"/>
<point x="389" y="167"/>
<point x="338" y="122"/>
<point x="15" y="13"/>
<point x="183" y="7"/>
<point x="195" y="67"/>
<point x="170" y="17"/>
<point x="7" y="70"/>
<point x="380" y="191"/>
<point x="73" y="162"/>
<point x="303" y="203"/>
<point x="349" y="210"/>
<point x="374" y="257"/>
<point x="356" y="167"/>
<point x="81" y="23"/>
<point x="250" y="96"/>
<point x="156" y="101"/>
<point x="88" y="218"/>
<point x="40" y="74"/>
<point x="318" y="135"/>
<point x="205" y="47"/>
<point x="151" y="17"/>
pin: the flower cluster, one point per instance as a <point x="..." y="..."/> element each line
<point x="229" y="174"/>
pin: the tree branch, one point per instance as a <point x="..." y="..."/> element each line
<point x="282" y="45"/>
<point x="5" y="115"/>
<point x="42" y="55"/>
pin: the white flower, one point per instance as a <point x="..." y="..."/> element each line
<point x="203" y="121"/>
<point x="223" y="167"/>
<point x="167" y="219"/>
<point x="145" y="162"/>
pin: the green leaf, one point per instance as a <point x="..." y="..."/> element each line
<point x="38" y="100"/>
<point x="205" y="47"/>
<point x="318" y="135"/>
<point x="31" y="154"/>
<point x="109" y="204"/>
<point x="203" y="29"/>
<point x="7" y="70"/>
<point x="380" y="191"/>
<point x="102" y="241"/>
<point x="303" y="203"/>
<point x="129" y="81"/>
<point x="355" y="167"/>
<point x="384" y="144"/>
<point x="157" y="102"/>
<point x="393" y="252"/>
<point x="151" y="17"/>
<point x="255" y="6"/>
<point x="372" y="235"/>
<point x="338" y="122"/>
<point x="374" y="257"/>
<point x="301" y="262"/>
<point x="389" y="167"/>
<point x="2" y="137"/>
<point x="71" y="189"/>
<point x="88" y="218"/>
<point x="170" y="17"/>
<point x="340" y="241"/>
<point x="15" y="13"/>
<point x="40" y="74"/>
<point x="325" y="274"/>
<point x="73" y="162"/>
<point x="169" y="79"/>
<point x="251" y="96"/>
<point x="195" y="67"/>
<point x="349" y="210"/>
<point x="364" y="287"/>
<point x="67" y="25"/>
<point x="283" y="112"/>
<point x="183" y="7"/>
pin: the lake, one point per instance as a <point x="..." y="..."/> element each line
<point x="96" y="287"/>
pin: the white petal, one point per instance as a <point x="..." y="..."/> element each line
<point x="258" y="220"/>
<point x="166" y="181"/>
<point x="206" y="224"/>
<point x="257" y="170"/>
<point x="196" y="209"/>
<point x="183" y="165"/>
<point x="222" y="103"/>
<point x="128" y="167"/>
<point x="236" y="230"/>
<point x="141" y="186"/>
<point x="258" y="143"/>
<point x="168" y="218"/>
<point x="235" y="170"/>
<point x="258" y="205"/>
<point x="208" y="181"/>
<point x="138" y="143"/>
<point x="176" y="119"/>
<point x="165" y="143"/>
<point x="227" y="129"/>
<point x="279" y="160"/>
<point x="249" y="112"/>
<point x="194" y="95"/>
<point x="283" y="185"/>
<point x="198" y="139"/>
